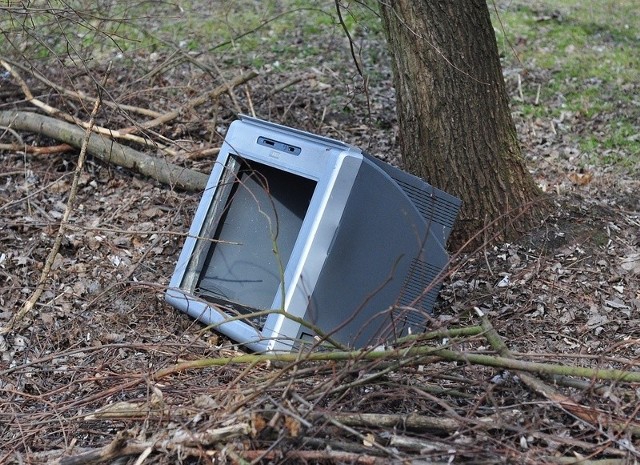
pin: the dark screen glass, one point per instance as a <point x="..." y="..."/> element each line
<point x="266" y="206"/>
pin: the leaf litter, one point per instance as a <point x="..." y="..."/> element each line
<point x="79" y="377"/>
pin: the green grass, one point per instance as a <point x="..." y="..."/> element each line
<point x="84" y="30"/>
<point x="583" y="57"/>
<point x="588" y="54"/>
<point x="286" y="36"/>
<point x="80" y="29"/>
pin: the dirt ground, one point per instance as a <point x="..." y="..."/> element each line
<point x="80" y="374"/>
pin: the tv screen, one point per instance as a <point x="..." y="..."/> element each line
<point x="263" y="211"/>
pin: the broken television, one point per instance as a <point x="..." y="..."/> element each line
<point x="301" y="240"/>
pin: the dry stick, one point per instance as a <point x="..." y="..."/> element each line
<point x="594" y="417"/>
<point x="335" y="422"/>
<point x="305" y="456"/>
<point x="217" y="92"/>
<point x="441" y="334"/>
<point x="81" y="95"/>
<point x="600" y="389"/>
<point x="580" y="461"/>
<point x="423" y="446"/>
<point x="410" y="421"/>
<point x="290" y="82"/>
<point x="249" y="101"/>
<point x="341" y="444"/>
<point x="107" y="150"/>
<point x="115" y="449"/>
<point x="31" y="302"/>
<point x="49" y="150"/>
<point x="202" y="153"/>
<point x="235" y="101"/>
<point x="70" y="118"/>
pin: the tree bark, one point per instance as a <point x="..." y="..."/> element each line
<point x="456" y="129"/>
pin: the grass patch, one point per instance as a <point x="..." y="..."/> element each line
<point x="583" y="58"/>
<point x="83" y="30"/>
<point x="578" y="57"/>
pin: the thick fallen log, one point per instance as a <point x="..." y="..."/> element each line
<point x="106" y="149"/>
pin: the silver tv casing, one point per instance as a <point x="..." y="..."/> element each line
<point x="368" y="260"/>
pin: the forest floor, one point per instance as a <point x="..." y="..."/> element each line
<point x="82" y="376"/>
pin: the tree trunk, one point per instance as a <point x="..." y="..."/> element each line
<point x="456" y="129"/>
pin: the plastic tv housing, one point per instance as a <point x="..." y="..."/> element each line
<point x="346" y="248"/>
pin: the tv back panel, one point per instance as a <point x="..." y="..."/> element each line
<point x="304" y="240"/>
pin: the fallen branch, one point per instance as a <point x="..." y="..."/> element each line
<point x="122" y="446"/>
<point x="304" y="456"/>
<point x="106" y="149"/>
<point x="410" y="421"/>
<point x="583" y="461"/>
<point x="115" y="449"/>
<point x="425" y="352"/>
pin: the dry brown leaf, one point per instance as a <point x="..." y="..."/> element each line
<point x="580" y="179"/>
<point x="258" y="423"/>
<point x="293" y="426"/>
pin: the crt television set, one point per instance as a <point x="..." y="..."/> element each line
<point x="346" y="248"/>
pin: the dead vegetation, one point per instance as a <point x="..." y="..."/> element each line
<point x="532" y="356"/>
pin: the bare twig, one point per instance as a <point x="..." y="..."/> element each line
<point x="203" y="153"/>
<point x="122" y="446"/>
<point x="357" y="58"/>
<point x="317" y="456"/>
<point x="250" y="101"/>
<point x="294" y="80"/>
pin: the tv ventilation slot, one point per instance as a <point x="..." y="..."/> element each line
<point x="408" y="318"/>
<point x="420" y="289"/>
<point x="433" y="208"/>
